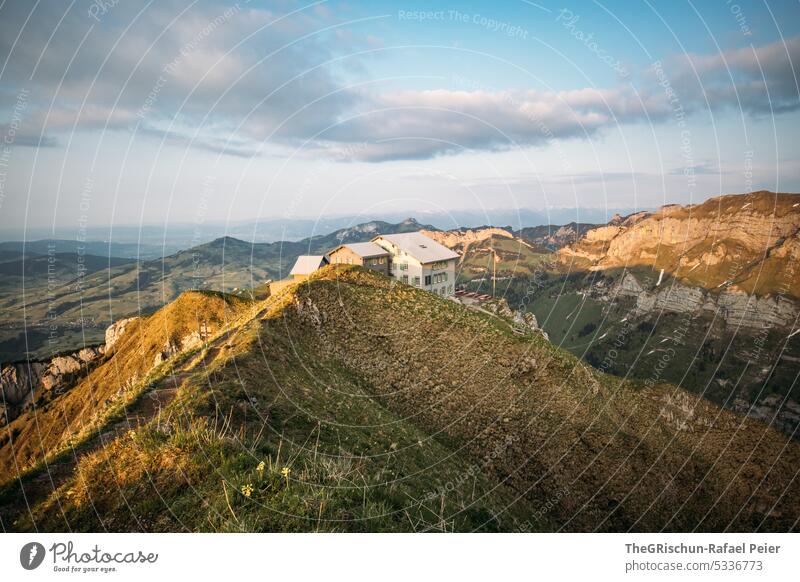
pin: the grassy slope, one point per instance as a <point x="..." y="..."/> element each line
<point x="54" y="423"/>
<point x="378" y="396"/>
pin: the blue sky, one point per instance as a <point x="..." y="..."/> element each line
<point x="162" y="112"/>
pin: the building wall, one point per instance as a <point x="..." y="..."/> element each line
<point x="345" y="256"/>
<point x="442" y="277"/>
<point x="408" y="270"/>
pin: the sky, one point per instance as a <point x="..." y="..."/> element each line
<point x="114" y="112"/>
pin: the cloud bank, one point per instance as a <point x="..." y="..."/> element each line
<point x="241" y="80"/>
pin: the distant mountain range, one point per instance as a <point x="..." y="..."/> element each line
<point x="167" y="239"/>
<point x="14" y="250"/>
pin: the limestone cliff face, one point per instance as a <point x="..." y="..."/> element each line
<point x="735" y="307"/>
<point x="742" y="242"/>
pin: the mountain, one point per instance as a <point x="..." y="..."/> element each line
<point x="45" y="247"/>
<point x="704" y="296"/>
<point x="488" y="252"/>
<point x="352" y="403"/>
<point x="62" y="266"/>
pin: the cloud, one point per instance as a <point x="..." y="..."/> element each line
<point x="423" y="124"/>
<point x="757" y="80"/>
<point x="699" y="168"/>
<point x="234" y="79"/>
<point x="207" y="65"/>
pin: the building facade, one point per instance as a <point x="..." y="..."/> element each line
<point x="366" y="254"/>
<point x="420" y="261"/>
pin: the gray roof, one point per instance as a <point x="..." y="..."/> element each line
<point x="307" y="264"/>
<point x="364" y="250"/>
<point x="419" y="246"/>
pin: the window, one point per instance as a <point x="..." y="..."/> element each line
<point x="416" y="281"/>
<point x="427" y="280"/>
<point x="405" y="279"/>
<point x="403" y="266"/>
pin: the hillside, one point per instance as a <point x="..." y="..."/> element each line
<point x="354" y="404"/>
<point x="743" y="243"/>
<point x="62" y="266"/>
<point x="14" y="249"/>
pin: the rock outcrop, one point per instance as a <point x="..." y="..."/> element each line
<point x="521" y="321"/>
<point x="18" y="380"/>
<point x="172" y="347"/>
<point x="773" y="409"/>
<point x="554" y="237"/>
<point x="115" y="331"/>
<point x="463" y="238"/>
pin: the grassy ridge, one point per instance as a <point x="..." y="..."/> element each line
<point x="374" y="406"/>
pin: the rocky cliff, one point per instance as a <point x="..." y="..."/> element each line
<point x="553" y="236"/>
<point x="735" y="307"/>
<point x="742" y="243"/>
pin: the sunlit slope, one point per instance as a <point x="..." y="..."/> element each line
<point x="62" y="416"/>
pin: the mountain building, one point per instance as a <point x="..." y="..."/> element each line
<point x="420" y="261"/>
<point x="410" y="257"/>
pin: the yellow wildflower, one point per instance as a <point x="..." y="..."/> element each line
<point x="247" y="490"/>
